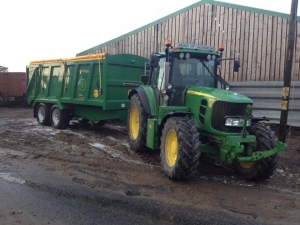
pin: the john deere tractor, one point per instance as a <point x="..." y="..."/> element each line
<point x="181" y="110"/>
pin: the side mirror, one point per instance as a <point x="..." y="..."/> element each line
<point x="154" y="61"/>
<point x="236" y="65"/>
<point x="144" y="79"/>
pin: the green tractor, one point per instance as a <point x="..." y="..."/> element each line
<point x="182" y="110"/>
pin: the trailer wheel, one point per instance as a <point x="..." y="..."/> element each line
<point x="262" y="169"/>
<point x="137" y="124"/>
<point x="43" y="114"/>
<point x="179" y="148"/>
<point x="59" y="118"/>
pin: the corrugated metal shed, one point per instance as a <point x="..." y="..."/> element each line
<point x="258" y="37"/>
<point x="267" y="97"/>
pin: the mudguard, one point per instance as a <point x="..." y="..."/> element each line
<point x="147" y="97"/>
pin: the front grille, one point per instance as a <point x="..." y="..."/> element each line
<point x="222" y="109"/>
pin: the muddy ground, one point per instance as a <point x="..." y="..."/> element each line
<point x="99" y="157"/>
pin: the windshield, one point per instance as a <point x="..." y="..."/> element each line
<point x="192" y="71"/>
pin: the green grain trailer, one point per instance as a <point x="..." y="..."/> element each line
<point x="93" y="87"/>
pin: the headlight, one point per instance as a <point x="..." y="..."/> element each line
<point x="236" y="122"/>
<point x="169" y="86"/>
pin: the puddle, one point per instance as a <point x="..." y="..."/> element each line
<point x="72" y="132"/>
<point x="5" y="151"/>
<point x="114" y="154"/>
<point x="8" y="177"/>
<point x="119" y="141"/>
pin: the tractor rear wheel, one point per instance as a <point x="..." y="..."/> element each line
<point x="59" y="118"/>
<point x="180" y="148"/>
<point x="262" y="169"/>
<point x="137" y="124"/>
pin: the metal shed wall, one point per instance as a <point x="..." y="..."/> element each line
<point x="267" y="98"/>
<point x="257" y="37"/>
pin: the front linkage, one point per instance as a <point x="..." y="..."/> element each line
<point x="233" y="148"/>
<point x="253" y="155"/>
<point x="244" y="149"/>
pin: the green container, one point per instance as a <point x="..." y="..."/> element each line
<point x="94" y="87"/>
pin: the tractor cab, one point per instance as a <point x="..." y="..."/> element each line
<point x="175" y="70"/>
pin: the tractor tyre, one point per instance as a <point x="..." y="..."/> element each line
<point x="264" y="168"/>
<point x="59" y="118"/>
<point x="43" y="114"/>
<point x="137" y="124"/>
<point x="179" y="150"/>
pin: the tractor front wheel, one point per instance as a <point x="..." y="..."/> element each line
<point x="180" y="148"/>
<point x="262" y="169"/>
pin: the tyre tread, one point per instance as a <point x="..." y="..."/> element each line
<point x="64" y="118"/>
<point x="188" y="141"/>
<point x="139" y="144"/>
<point x="264" y="168"/>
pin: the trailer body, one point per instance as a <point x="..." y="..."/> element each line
<point x="94" y="87"/>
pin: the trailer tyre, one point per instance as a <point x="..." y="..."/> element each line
<point x="262" y="169"/>
<point x="137" y="124"/>
<point x="180" y="148"/>
<point x="59" y="118"/>
<point x="43" y="114"/>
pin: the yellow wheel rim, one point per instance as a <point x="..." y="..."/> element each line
<point x="246" y="165"/>
<point x="171" y="147"/>
<point x="134" y="122"/>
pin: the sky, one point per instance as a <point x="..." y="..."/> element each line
<point x="45" y="29"/>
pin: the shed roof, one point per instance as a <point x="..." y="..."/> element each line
<point x="212" y="2"/>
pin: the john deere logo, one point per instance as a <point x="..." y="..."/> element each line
<point x="81" y="84"/>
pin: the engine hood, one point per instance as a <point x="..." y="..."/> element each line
<point x="218" y="94"/>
